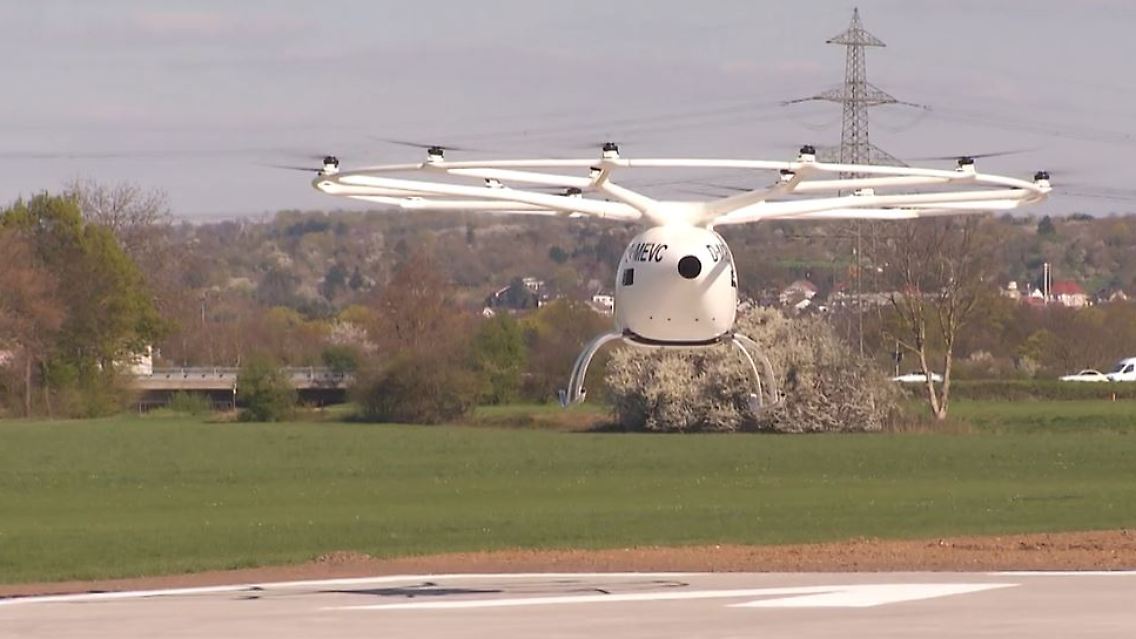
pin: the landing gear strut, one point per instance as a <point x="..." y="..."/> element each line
<point x="765" y="382"/>
<point x="758" y="401"/>
<point x="576" y="391"/>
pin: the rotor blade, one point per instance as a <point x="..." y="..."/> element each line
<point x="600" y="144"/>
<point x="421" y="145"/>
<point x="291" y="167"/>
<point x="702" y="192"/>
<point x="156" y="154"/>
<point x="728" y="187"/>
<point x="100" y="155"/>
<point x="1063" y="173"/>
<point x="1097" y="192"/>
<point x="973" y="156"/>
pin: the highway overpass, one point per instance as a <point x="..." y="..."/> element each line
<point x="315" y="385"/>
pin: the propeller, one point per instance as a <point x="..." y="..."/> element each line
<point x="702" y="192"/>
<point x="596" y="144"/>
<point x="292" y="167"/>
<point x="330" y="164"/>
<point x="422" y="145"/>
<point x="158" y="154"/>
<point x="114" y="155"/>
<point x="1080" y="187"/>
<point x="1099" y="192"/>
<point x="972" y="156"/>
<point x="72" y="155"/>
<point x="725" y="187"/>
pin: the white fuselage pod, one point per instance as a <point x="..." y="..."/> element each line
<point x="676" y="286"/>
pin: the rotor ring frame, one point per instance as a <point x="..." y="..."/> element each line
<point x="806" y="189"/>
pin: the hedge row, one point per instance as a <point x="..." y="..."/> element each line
<point x="1015" y="389"/>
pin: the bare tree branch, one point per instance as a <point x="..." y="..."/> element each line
<point x="939" y="270"/>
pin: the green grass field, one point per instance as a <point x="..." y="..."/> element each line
<point x="131" y="496"/>
<point x="1038" y="416"/>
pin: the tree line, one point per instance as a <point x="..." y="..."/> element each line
<point x="96" y="274"/>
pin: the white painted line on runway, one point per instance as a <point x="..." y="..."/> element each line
<point x="127" y="594"/>
<point x="868" y="595"/>
<point x="1064" y="573"/>
<point x="321" y="583"/>
<point x="846" y="596"/>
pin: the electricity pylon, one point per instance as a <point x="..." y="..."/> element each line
<point x="856" y="95"/>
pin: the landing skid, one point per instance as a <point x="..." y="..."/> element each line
<point x="758" y="401"/>
<point x="576" y="391"/>
<point x="765" y="396"/>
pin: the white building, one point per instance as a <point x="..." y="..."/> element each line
<point x="604" y="303"/>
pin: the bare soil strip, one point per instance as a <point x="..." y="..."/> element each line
<point x="1100" y="550"/>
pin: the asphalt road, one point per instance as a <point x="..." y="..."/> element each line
<point x="634" y="605"/>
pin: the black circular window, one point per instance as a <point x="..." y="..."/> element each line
<point x="689" y="267"/>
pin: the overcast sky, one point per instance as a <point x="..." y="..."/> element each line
<point x="193" y="97"/>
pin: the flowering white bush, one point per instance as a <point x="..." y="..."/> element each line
<point x="827" y="387"/>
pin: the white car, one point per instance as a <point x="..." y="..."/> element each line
<point x="1087" y="375"/>
<point x="917" y="378"/>
<point x="1125" y="371"/>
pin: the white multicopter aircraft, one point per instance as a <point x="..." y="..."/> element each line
<point x="676" y="286"/>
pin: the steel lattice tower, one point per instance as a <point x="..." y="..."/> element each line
<point x="856" y="95"/>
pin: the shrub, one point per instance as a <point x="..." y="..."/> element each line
<point x="342" y="359"/>
<point x="417" y="389"/>
<point x="190" y="403"/>
<point x="555" y="335"/>
<point x="264" y="392"/>
<point x="499" y="356"/>
<point x="85" y="392"/>
<point x="827" y="387"/>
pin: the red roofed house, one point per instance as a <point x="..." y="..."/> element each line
<point x="1069" y="293"/>
<point x="798" y="292"/>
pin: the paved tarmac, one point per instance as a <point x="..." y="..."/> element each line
<point x="633" y="605"/>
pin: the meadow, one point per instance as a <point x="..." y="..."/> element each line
<point x="167" y="494"/>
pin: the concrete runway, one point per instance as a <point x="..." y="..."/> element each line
<point x="635" y="605"/>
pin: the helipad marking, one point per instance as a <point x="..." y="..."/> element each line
<point x="318" y="583"/>
<point x="843" y="596"/>
<point x="868" y="595"/>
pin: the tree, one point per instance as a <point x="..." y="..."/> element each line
<point x="264" y="392"/>
<point x="356" y="282"/>
<point x="334" y="282"/>
<point x="125" y="208"/>
<point x="940" y="271"/>
<point x="31" y="312"/>
<point x="499" y="355"/>
<point x="133" y="214"/>
<point x="555" y="335"/>
<point x="558" y="255"/>
<point x="278" y="287"/>
<point x="109" y="314"/>
<point x="516" y="296"/>
<point x="342" y="359"/>
<point x="423" y="372"/>
<point x="416" y="308"/>
<point x="140" y="220"/>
